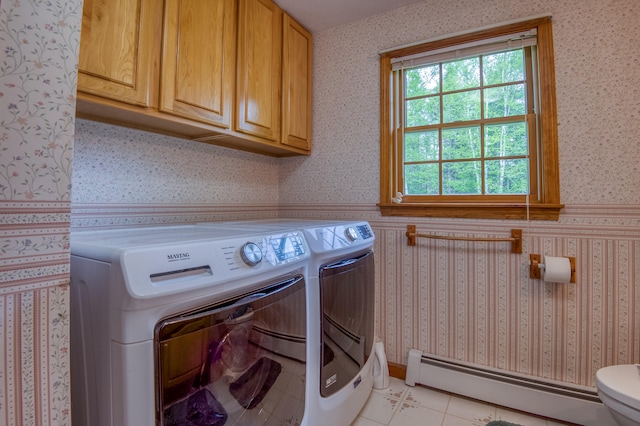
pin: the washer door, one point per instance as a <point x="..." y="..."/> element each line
<point x="347" y="290"/>
<point x="237" y="362"/>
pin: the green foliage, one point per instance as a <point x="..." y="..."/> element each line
<point x="473" y="157"/>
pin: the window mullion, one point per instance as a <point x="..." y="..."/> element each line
<point x="399" y="123"/>
<point x="440" y="145"/>
<point x="482" y="119"/>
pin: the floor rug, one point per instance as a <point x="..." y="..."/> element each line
<point x="502" y="423"/>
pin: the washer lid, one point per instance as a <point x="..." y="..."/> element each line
<point x="621" y="382"/>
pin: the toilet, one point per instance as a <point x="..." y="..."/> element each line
<point x="619" y="389"/>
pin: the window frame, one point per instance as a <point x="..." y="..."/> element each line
<point x="546" y="206"/>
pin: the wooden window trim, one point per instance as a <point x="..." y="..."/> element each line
<point x="547" y="207"/>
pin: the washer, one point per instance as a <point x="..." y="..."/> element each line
<point x="340" y="314"/>
<point x="188" y="321"/>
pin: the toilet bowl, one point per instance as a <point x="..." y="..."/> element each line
<point x="619" y="389"/>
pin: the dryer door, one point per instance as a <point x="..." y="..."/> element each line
<point x="231" y="363"/>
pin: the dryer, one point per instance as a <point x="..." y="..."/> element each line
<point x="188" y="322"/>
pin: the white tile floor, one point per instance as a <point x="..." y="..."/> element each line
<point x="402" y="405"/>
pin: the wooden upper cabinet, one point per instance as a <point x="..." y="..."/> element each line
<point x="259" y="73"/>
<point x="296" y="85"/>
<point x="235" y="73"/>
<point x="198" y="60"/>
<point x="119" y="50"/>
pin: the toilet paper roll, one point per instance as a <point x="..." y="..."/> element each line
<point x="557" y="269"/>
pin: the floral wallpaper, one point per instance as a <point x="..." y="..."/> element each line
<point x="38" y="70"/>
<point x="38" y="81"/>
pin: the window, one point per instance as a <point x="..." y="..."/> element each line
<point x="468" y="126"/>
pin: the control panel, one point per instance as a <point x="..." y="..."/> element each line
<point x="276" y="249"/>
<point x="365" y="231"/>
<point x="332" y="237"/>
<point x="287" y="247"/>
<point x="164" y="269"/>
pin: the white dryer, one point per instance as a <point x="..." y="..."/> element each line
<point x="188" y="325"/>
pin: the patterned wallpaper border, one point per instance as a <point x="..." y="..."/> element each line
<point x="34" y="244"/>
<point x="623" y="220"/>
<point x="10" y="206"/>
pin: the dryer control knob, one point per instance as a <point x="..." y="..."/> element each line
<point x="351" y="234"/>
<point x="251" y="254"/>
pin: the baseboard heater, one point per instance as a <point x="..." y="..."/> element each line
<point x="556" y="400"/>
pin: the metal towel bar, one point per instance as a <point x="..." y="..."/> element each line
<point x="515" y="240"/>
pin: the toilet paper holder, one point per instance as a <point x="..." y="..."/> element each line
<point x="534" y="267"/>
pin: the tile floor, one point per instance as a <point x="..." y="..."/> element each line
<point x="402" y="405"/>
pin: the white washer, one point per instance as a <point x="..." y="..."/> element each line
<point x="132" y="288"/>
<point x="340" y="360"/>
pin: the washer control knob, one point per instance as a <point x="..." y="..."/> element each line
<point x="251" y="254"/>
<point x="351" y="234"/>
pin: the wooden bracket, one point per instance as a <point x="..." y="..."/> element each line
<point x="572" y="261"/>
<point x="411" y="235"/>
<point x="534" y="269"/>
<point x="516" y="243"/>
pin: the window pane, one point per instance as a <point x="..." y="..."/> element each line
<point x="461" y="178"/>
<point x="505" y="101"/>
<point x="461" y="106"/>
<point x="421" y="179"/>
<point x="461" y="143"/>
<point x="422" y="81"/>
<point x="421" y="146"/>
<point x="461" y="74"/>
<point x="507" y="176"/>
<point x="422" y="112"/>
<point x="505" y="140"/>
<point x="503" y="67"/>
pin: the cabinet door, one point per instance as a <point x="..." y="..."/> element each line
<point x="119" y="49"/>
<point x="259" y="74"/>
<point x="198" y="60"/>
<point x="296" y="85"/>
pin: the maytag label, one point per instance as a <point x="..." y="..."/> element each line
<point x="176" y="257"/>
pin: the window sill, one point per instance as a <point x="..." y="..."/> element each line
<point x="474" y="210"/>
